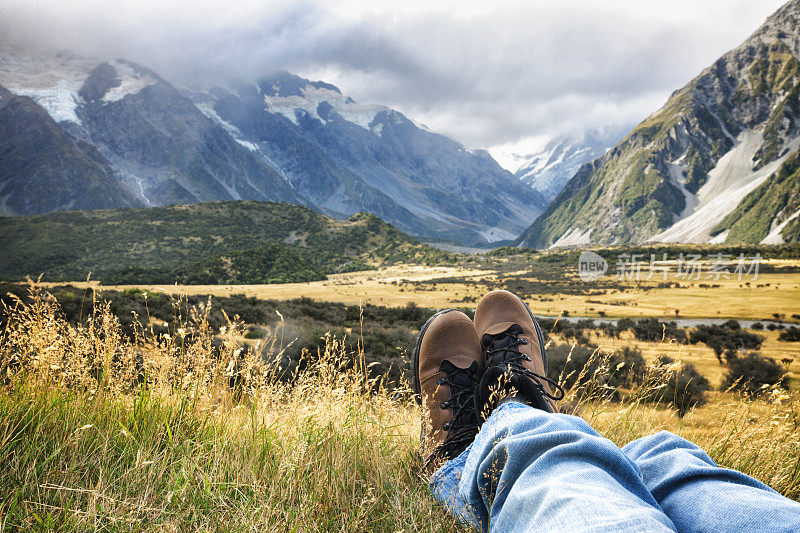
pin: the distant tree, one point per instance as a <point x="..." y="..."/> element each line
<point x="725" y="340"/>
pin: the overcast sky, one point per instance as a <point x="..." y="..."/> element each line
<point x="489" y="74"/>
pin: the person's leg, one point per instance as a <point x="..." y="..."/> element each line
<point x="530" y="470"/>
<point x="698" y="495"/>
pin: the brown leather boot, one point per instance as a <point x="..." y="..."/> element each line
<point x="447" y="366"/>
<point x="513" y="345"/>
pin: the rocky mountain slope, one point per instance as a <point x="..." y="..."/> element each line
<point x="159" y="147"/>
<point x="549" y="171"/>
<point x="43" y="168"/>
<point x="694" y="168"/>
<point x="345" y="157"/>
<point x="283" y="138"/>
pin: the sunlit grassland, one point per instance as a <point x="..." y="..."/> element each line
<point x="700" y="355"/>
<point x="439" y="287"/>
<point x="101" y="432"/>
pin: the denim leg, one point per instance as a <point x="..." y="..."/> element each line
<point x="529" y="470"/>
<point x="698" y="495"/>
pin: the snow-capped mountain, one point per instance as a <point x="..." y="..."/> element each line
<point x="344" y="157"/>
<point x="718" y="163"/>
<point x="549" y="171"/>
<point x="154" y="144"/>
<point x="280" y="138"/>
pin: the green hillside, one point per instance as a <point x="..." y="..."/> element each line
<point x="753" y="219"/>
<point x="216" y="242"/>
<point x="640" y="187"/>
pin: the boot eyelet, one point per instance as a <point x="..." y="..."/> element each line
<point x="441" y="381"/>
<point x="446" y="426"/>
<point x="444" y="405"/>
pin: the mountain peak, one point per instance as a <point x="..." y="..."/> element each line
<point x="284" y="84"/>
<point x="680" y="172"/>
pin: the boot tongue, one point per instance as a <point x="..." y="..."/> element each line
<point x="503" y="344"/>
<point x="462" y="377"/>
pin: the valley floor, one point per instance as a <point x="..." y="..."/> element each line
<point x="324" y="453"/>
<point x="441" y="286"/>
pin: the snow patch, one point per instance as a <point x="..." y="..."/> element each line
<point x="141" y="191"/>
<point x="574" y="237"/>
<point x="290" y="106"/>
<point x="774" y="236"/>
<point x="728" y="183"/>
<point x="208" y="110"/>
<point x="131" y="82"/>
<point x="52" y="82"/>
<point x="677" y="174"/>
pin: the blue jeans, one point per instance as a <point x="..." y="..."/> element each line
<point x="529" y="470"/>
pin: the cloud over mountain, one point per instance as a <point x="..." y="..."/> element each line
<point x="484" y="74"/>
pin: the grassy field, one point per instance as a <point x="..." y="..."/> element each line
<point x="443" y="286"/>
<point x="102" y="432"/>
<point x="700" y="355"/>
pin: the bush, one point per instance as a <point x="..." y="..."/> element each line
<point x="754" y="374"/>
<point x="678" y="384"/>
<point x="609" y="329"/>
<point x="790" y="335"/>
<point x="653" y="330"/>
<point x="584" y="367"/>
<point x="255" y="333"/>
<point x="758" y="326"/>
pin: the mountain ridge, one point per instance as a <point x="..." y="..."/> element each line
<point x="683" y="169"/>
<point x="282" y="138"/>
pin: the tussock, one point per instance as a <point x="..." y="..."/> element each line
<point x="179" y="432"/>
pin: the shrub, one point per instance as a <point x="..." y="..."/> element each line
<point x="754" y="374"/>
<point x="582" y="366"/>
<point x="758" y="326"/>
<point x="678" y="384"/>
<point x="653" y="330"/>
<point x="609" y="329"/>
<point x="790" y="335"/>
<point x="255" y="333"/>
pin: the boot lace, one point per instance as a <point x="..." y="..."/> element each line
<point x="504" y="349"/>
<point x="463" y="427"/>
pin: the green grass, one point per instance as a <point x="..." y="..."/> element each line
<point x="265" y="241"/>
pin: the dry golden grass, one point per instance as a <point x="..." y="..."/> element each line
<point x="700" y="355"/>
<point x="98" y="432"/>
<point x="770" y="293"/>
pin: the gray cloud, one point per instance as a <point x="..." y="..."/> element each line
<point x="486" y="75"/>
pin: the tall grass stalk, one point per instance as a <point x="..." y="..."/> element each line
<point x="180" y="432"/>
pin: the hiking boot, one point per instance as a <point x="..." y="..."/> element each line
<point x="447" y="366"/>
<point x="513" y="345"/>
